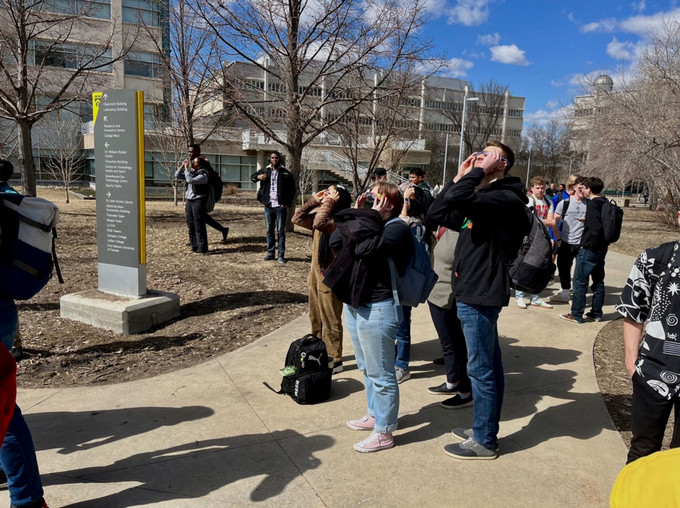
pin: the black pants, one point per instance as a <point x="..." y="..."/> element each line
<point x="198" y="236"/>
<point x="566" y="253"/>
<point x="209" y="221"/>
<point x="452" y="341"/>
<point x="650" y="413"/>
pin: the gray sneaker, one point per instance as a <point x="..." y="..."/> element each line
<point x="402" y="374"/>
<point x="470" y="449"/>
<point x="464" y="434"/>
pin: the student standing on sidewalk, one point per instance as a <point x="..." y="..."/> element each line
<point x="590" y="258"/>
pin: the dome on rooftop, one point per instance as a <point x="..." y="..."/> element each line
<point x="604" y="83"/>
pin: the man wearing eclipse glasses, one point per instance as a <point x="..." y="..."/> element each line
<point x="488" y="208"/>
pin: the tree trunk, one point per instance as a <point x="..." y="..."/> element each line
<point x="26" y="158"/>
<point x="293" y="164"/>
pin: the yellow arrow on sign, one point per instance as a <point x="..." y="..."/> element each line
<point x="96" y="100"/>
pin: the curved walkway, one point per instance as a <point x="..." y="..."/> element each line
<point x="213" y="435"/>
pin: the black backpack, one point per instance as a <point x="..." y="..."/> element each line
<point x="532" y="269"/>
<point x="612" y="219"/>
<point x="215" y="186"/>
<point x="306" y="373"/>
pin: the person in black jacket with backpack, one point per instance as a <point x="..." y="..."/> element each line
<point x="491" y="207"/>
<point x="590" y="257"/>
<point x="196" y="177"/>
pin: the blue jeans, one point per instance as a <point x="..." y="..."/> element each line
<point x="588" y="264"/>
<point x="520" y="295"/>
<point x="373" y="328"/>
<point x="17" y="454"/>
<point x="275" y="219"/>
<point x="404" y="339"/>
<point x="485" y="368"/>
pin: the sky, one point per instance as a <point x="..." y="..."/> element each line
<point x="542" y="49"/>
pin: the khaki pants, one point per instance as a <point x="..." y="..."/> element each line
<point x="325" y="314"/>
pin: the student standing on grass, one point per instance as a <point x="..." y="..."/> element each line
<point x="276" y="193"/>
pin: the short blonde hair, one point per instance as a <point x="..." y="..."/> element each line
<point x="572" y="181"/>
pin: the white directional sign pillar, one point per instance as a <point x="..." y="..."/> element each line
<point x="119" y="162"/>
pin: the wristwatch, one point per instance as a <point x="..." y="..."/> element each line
<point x="407" y="200"/>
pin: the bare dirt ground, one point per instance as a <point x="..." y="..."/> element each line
<point x="229" y="299"/>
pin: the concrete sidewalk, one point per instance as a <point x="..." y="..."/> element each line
<point x="213" y="435"/>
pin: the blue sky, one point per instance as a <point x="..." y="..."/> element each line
<point x="542" y="48"/>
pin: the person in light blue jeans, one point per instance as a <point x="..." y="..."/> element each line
<point x="360" y="277"/>
<point x="17" y="454"/>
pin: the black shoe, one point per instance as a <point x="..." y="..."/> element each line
<point x="269" y="257"/>
<point x="283" y="260"/>
<point x="456" y="402"/>
<point x="438" y="361"/>
<point x="592" y="316"/>
<point x="3" y="480"/>
<point x="18" y="354"/>
<point x="442" y="390"/>
<point x="225" y="234"/>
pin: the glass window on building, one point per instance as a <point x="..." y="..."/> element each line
<point x="147" y="65"/>
<point x="146" y="12"/>
<point x="100" y="9"/>
<point x="72" y="56"/>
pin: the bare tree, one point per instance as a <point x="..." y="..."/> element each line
<point x="169" y="142"/>
<point x="380" y="132"/>
<point x="59" y="135"/>
<point x="549" y="149"/>
<point x="632" y="130"/>
<point x="483" y="117"/>
<point x="308" y="51"/>
<point x="189" y="56"/>
<point x="43" y="70"/>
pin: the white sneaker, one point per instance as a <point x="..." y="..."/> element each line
<point x="561" y="296"/>
<point x="542" y="303"/>
<point x="521" y="304"/>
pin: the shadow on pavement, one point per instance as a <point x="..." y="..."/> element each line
<point x="194" y="470"/>
<point x="70" y="432"/>
<point x="230" y="301"/>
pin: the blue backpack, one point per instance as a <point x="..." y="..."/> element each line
<point x="415" y="285"/>
<point x="27" y="254"/>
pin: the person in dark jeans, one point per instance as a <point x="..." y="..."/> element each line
<point x="276" y="193"/>
<point x="590" y="258"/>
<point x="196" y="178"/>
<point x="194" y="152"/>
<point x="650" y="304"/>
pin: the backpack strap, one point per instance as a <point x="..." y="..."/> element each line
<point x="54" y="257"/>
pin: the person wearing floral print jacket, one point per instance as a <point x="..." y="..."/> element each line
<point x="650" y="305"/>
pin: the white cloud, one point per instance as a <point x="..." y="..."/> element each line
<point x="638" y="25"/>
<point x="604" y="25"/>
<point x="489" y="40"/>
<point x="543" y="116"/>
<point x="457" y="67"/>
<point x="435" y="7"/>
<point x="469" y="12"/>
<point x="621" y="50"/>
<point x="508" y="55"/>
<point x="571" y="17"/>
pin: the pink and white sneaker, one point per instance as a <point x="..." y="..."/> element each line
<point x="364" y="423"/>
<point x="375" y="442"/>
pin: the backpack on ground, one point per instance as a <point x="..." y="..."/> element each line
<point x="215" y="187"/>
<point x="306" y="373"/>
<point x="612" y="219"/>
<point x="27" y="252"/>
<point x="415" y="285"/>
<point x="533" y="268"/>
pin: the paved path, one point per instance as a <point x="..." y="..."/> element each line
<point x="213" y="435"/>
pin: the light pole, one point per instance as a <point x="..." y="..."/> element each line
<point x="528" y="169"/>
<point x="462" y="124"/>
<point x="446" y="156"/>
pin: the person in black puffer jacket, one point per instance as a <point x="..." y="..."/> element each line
<point x="360" y="277"/>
